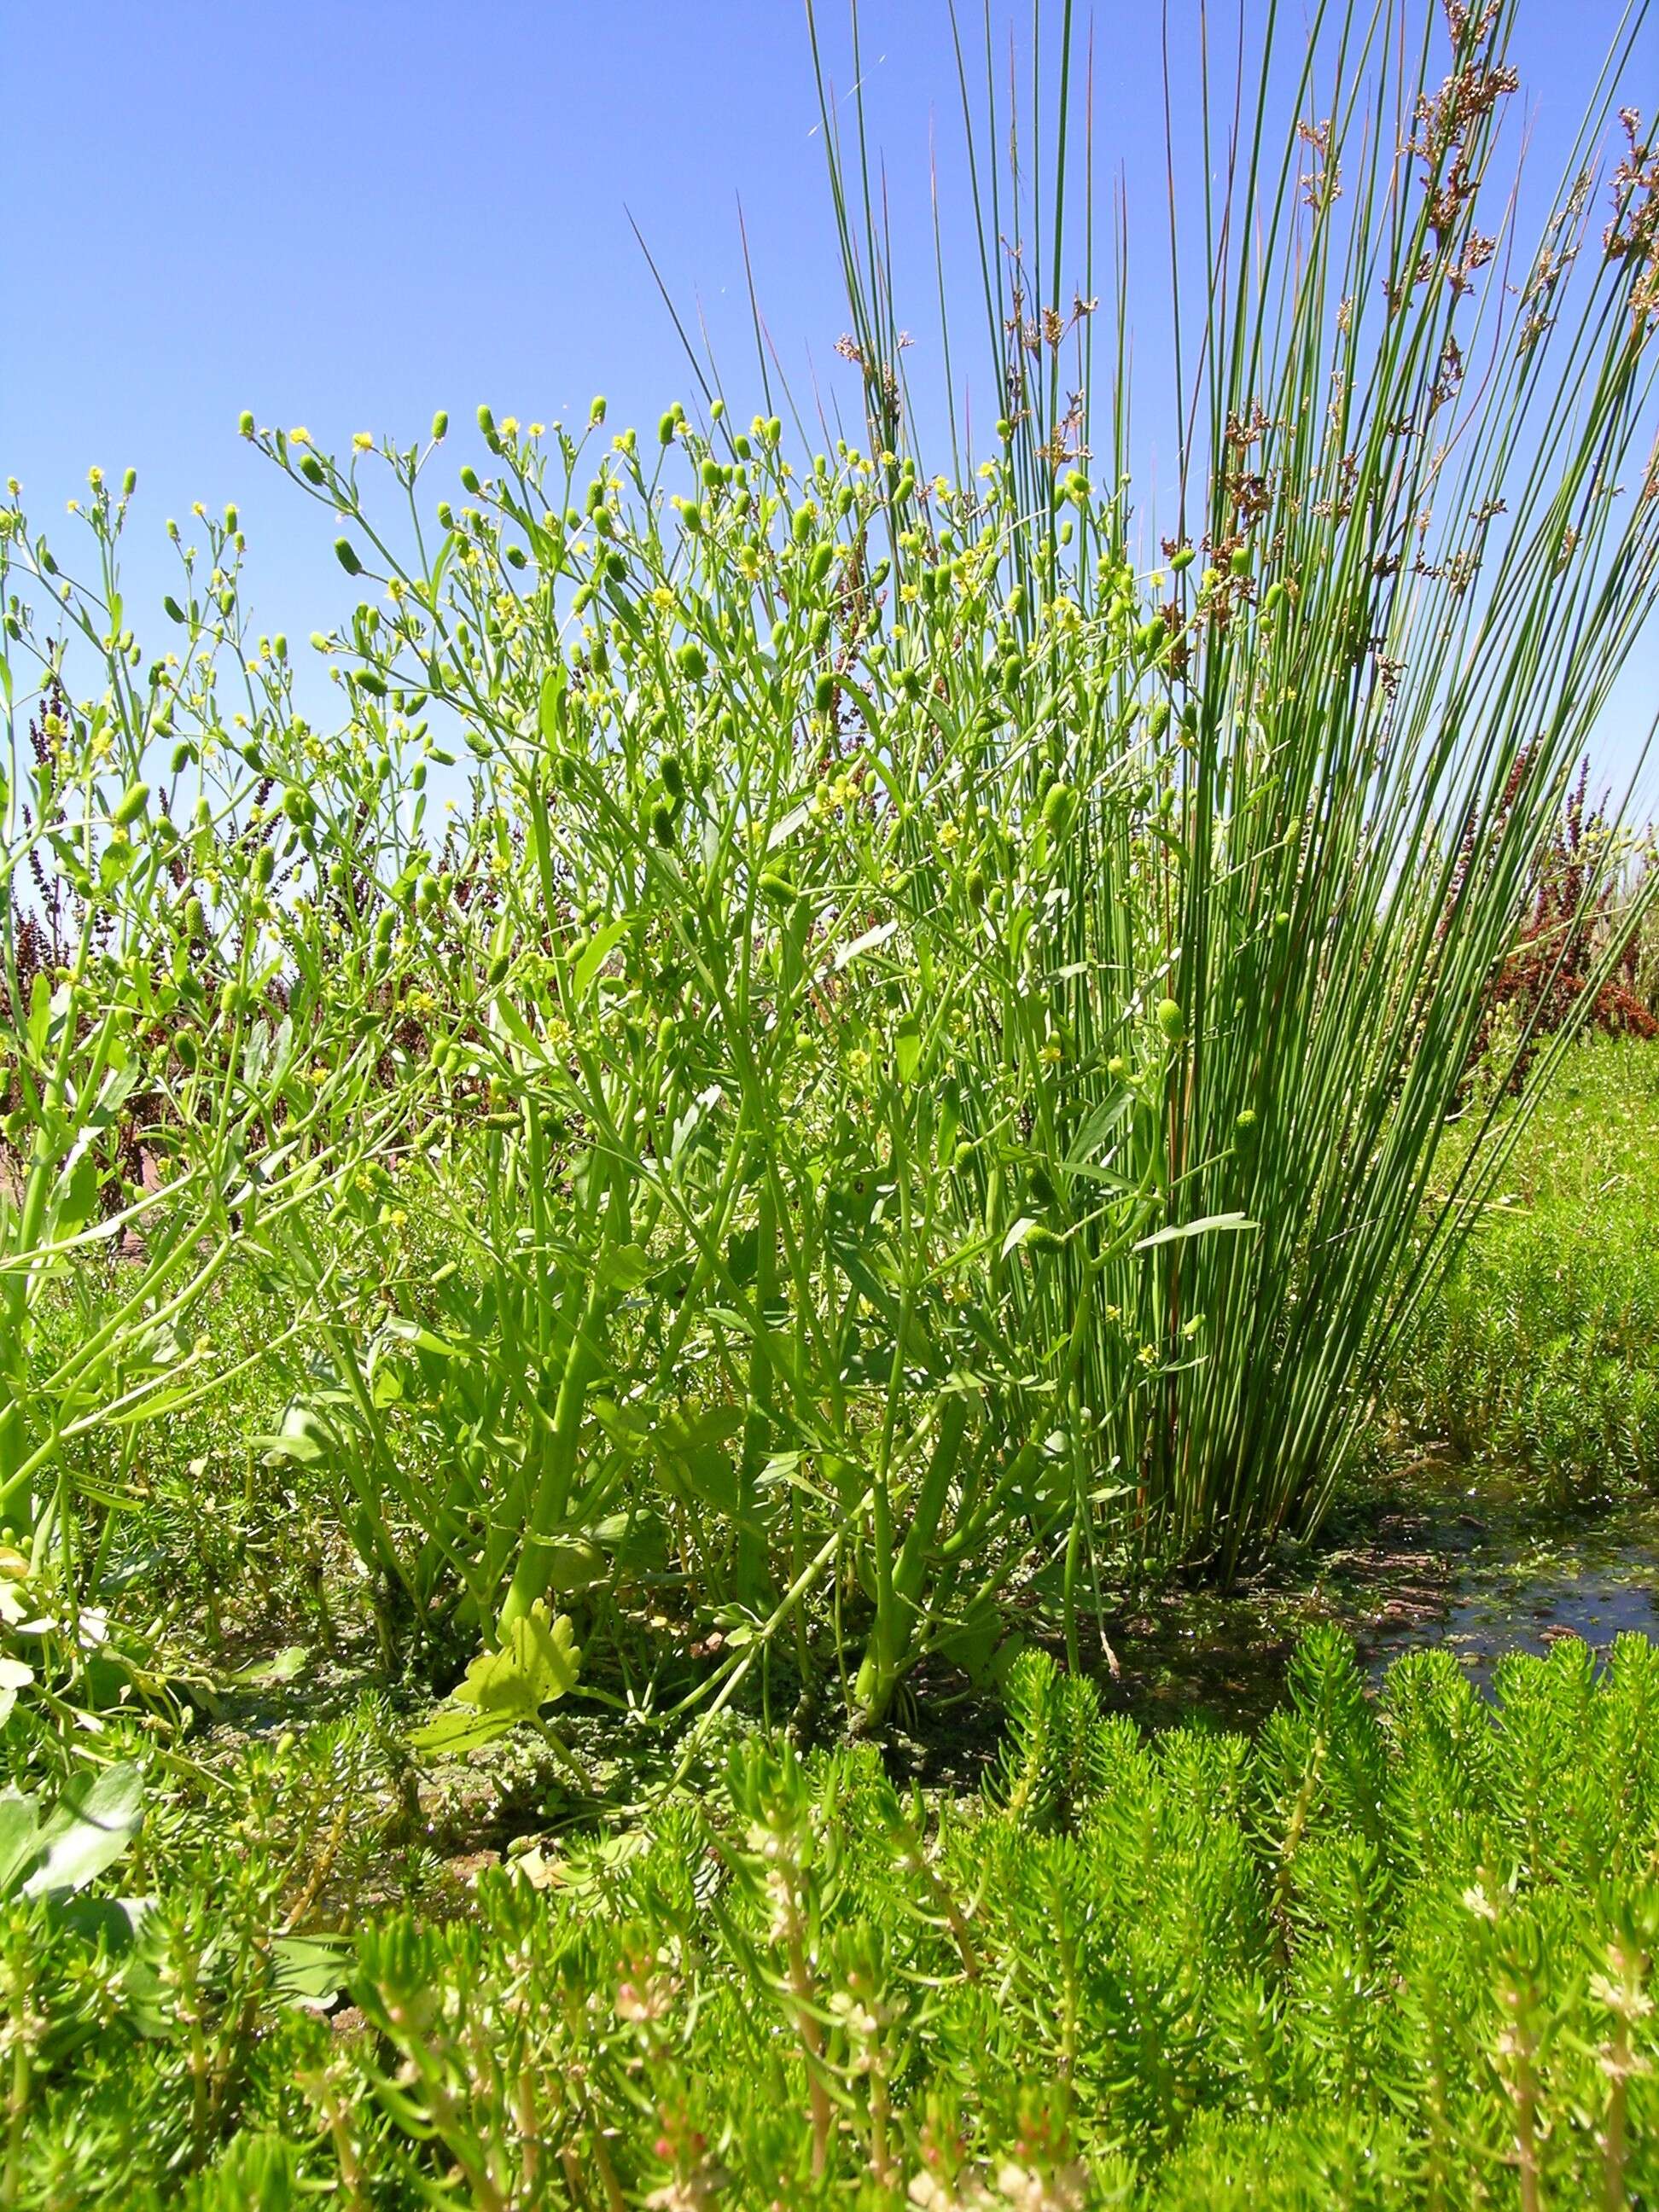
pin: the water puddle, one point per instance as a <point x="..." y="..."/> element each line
<point x="1477" y="1570"/>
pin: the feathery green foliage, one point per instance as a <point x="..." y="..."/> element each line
<point x="1389" y="1956"/>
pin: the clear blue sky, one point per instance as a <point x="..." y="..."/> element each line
<point x="347" y="215"/>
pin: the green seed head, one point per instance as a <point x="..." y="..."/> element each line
<point x="134" y="801"/>
<point x="440" y="426"/>
<point x="1171" y="1020"/>
<point x="345" y="554"/>
<point x="662" y="824"/>
<point x="244" y="422"/>
<point x="1245" y="1125"/>
<point x="673" y="774"/>
<point x="1058" y="809"/>
<point x="693" y="661"/>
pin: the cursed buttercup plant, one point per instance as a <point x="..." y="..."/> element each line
<point x="926" y="1057"/>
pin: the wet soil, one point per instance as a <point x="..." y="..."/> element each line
<point x="1472" y="1566"/>
<point x="1436" y="1559"/>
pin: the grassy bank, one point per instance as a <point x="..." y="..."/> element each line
<point x="1541" y="1357"/>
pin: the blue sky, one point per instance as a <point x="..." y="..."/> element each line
<point x="348" y="214"/>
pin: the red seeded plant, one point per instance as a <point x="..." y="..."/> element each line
<point x="1578" y="908"/>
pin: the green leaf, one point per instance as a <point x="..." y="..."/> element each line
<point x="1201" y="1228"/>
<point x="14" y="1676"/>
<point x="424" y="1340"/>
<point x="599" y="949"/>
<point x="870" y="941"/>
<point x="458" y="1729"/>
<point x="550" y="710"/>
<point x="265" y="1673"/>
<point x="906" y="1046"/>
<point x="625" y="1267"/>
<point x="1018" y="1235"/>
<point x="536" y="1664"/>
<point x="781" y="831"/>
<point x="305" y="1437"/>
<point x="20" y="1836"/>
<point x="308" y="1970"/>
<point x="76" y="1198"/>
<point x="89" y="1828"/>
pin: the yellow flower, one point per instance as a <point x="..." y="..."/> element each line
<point x="94" y="477"/>
<point x="300" y="437"/>
<point x="362" y="441"/>
<point x="950" y="836"/>
<point x="538" y="429"/>
<point x="508" y="425"/>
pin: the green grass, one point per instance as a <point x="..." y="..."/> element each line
<point x="1540" y="1359"/>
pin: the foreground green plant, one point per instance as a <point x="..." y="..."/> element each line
<point x="1388" y="1955"/>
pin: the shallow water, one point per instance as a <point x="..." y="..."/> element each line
<point x="1476" y="1569"/>
<point x="1515" y="1592"/>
